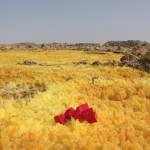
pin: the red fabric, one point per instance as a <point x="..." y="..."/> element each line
<point x="83" y="107"/>
<point x="77" y="115"/>
<point x="87" y="113"/>
<point x="68" y="113"/>
<point x="83" y="112"/>
<point x="60" y="119"/>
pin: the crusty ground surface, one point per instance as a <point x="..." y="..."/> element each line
<point x="120" y="96"/>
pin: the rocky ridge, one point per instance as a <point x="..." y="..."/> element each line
<point x="91" y="48"/>
<point x="128" y="44"/>
<point x="52" y="46"/>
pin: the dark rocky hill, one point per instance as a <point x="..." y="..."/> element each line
<point x="128" y="44"/>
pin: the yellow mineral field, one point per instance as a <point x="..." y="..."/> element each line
<point x="119" y="95"/>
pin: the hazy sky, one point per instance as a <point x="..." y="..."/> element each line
<point x="74" y="21"/>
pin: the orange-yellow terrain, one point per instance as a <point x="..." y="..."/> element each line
<point x="120" y="96"/>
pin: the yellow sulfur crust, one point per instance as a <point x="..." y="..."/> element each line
<point x="120" y="96"/>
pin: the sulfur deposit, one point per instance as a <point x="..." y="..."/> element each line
<point x="119" y="95"/>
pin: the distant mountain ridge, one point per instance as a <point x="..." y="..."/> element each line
<point x="130" y="44"/>
<point x="51" y="46"/>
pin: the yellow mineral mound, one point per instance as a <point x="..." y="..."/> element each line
<point x="119" y="95"/>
